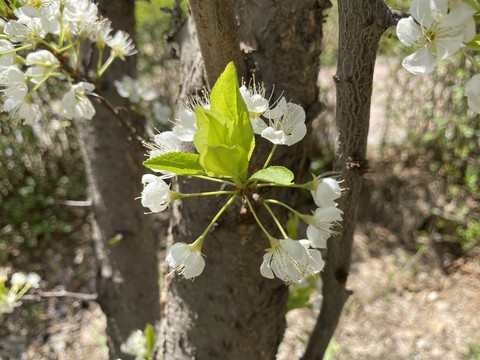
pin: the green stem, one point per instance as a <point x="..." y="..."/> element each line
<point x="214" y="220"/>
<point x="214" y="179"/>
<point x="276" y="202"/>
<point x="471" y="59"/>
<point x="16" y="49"/>
<point x="270" y="156"/>
<point x="60" y="50"/>
<point x="285" y="185"/>
<point x="270" y="237"/>
<point x="267" y="161"/>
<point x="22" y="292"/>
<point x="105" y="66"/>
<point x="276" y="220"/>
<point x="100" y="57"/>
<point x="182" y="196"/>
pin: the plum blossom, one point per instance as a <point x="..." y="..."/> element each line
<point x="31" y="27"/>
<point x="42" y="62"/>
<point x="187" y="125"/>
<point x="254" y="98"/>
<point x="186" y="259"/>
<point x="291" y="261"/>
<point x="437" y="30"/>
<point x="136" y="344"/>
<point x="156" y="193"/>
<point x="121" y="45"/>
<point x="286" y="124"/>
<point x="76" y="103"/>
<point x="472" y="92"/>
<point x="163" y="143"/>
<point x="320" y="225"/>
<point x="133" y="90"/>
<point x="325" y="191"/>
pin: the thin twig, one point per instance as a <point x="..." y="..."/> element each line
<point x="62" y="293"/>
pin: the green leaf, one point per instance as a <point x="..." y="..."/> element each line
<point x="274" y="174"/>
<point x="149" y="333"/>
<point x="212" y="129"/>
<point x="227" y="100"/>
<point x="223" y="161"/>
<point x="475" y="43"/>
<point x="179" y="163"/>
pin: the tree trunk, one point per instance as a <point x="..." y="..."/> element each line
<point x="231" y="311"/>
<point x="361" y="24"/>
<point x="127" y="282"/>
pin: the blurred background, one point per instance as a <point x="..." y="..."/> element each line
<point x="415" y="273"/>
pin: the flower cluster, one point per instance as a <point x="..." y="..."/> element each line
<point x="135" y="345"/>
<point x="222" y="125"/>
<point x="50" y="32"/>
<point x="20" y="283"/>
<point x="439" y="29"/>
<point x="140" y="343"/>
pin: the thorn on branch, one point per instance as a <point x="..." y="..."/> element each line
<point x="358" y="164"/>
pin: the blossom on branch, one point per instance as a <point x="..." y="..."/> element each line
<point x="472" y="92"/>
<point x="186" y="259"/>
<point x="291" y="261"/>
<point x="437" y="30"/>
<point x="156" y="194"/>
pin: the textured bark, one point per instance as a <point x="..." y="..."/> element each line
<point x="361" y="24"/>
<point x="231" y="311"/>
<point x="217" y="36"/>
<point x="127" y="282"/>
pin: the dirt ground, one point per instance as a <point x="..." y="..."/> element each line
<point x="414" y="295"/>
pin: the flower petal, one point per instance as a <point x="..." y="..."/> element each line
<point x="408" y="31"/>
<point x="420" y="62"/>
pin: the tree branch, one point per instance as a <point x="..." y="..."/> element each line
<point x="359" y="36"/>
<point x="218" y="37"/>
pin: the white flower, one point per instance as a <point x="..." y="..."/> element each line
<point x="42" y="62"/>
<point x="163" y="143"/>
<point x="185" y="259"/>
<point x="472" y="92"/>
<point x="291" y="261"/>
<point x="80" y="16"/>
<point x="136" y="345"/>
<point x="320" y="225"/>
<point x="31" y="26"/>
<point x="8" y="59"/>
<point x="134" y="91"/>
<point x="254" y="98"/>
<point x="286" y="124"/>
<point x="7" y="303"/>
<point x="121" y="45"/>
<point x="25" y="110"/>
<point x="187" y="126"/>
<point x="33" y="280"/>
<point x="161" y="112"/>
<point x="326" y="191"/>
<point x="101" y="34"/>
<point x="76" y="103"/>
<point x="18" y="279"/>
<point x="437" y="30"/>
<point x="156" y="193"/>
<point x="13" y="79"/>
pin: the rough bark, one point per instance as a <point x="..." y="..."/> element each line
<point x="217" y="37"/>
<point x="361" y="24"/>
<point x="127" y="282"/>
<point x="231" y="311"/>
